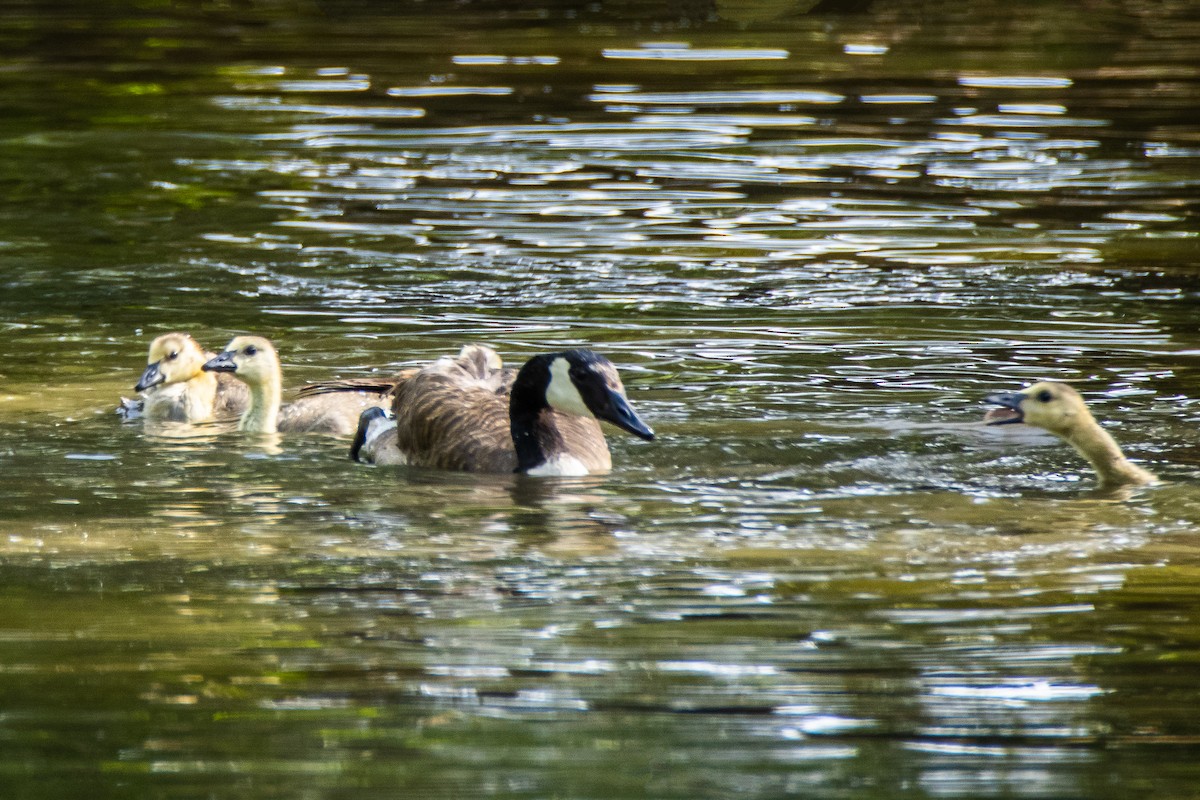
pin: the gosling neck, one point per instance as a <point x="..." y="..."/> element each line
<point x="262" y="415"/>
<point x="1112" y="467"/>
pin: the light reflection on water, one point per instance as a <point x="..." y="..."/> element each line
<point x="811" y="246"/>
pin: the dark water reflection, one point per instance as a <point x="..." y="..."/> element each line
<point x="812" y="235"/>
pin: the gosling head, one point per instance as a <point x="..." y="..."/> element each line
<point x="1060" y="410"/>
<point x="1052" y="406"/>
<point x="251" y="358"/>
<point x="173" y="358"/>
<point x="586" y="384"/>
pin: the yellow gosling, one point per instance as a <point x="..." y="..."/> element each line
<point x="332" y="410"/>
<point x="1059" y="409"/>
<point x="175" y="388"/>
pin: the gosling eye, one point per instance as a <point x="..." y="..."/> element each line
<point x="1044" y="396"/>
<point x="174" y="354"/>
<point x="250" y="350"/>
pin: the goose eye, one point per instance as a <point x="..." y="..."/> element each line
<point x="1044" y="396"/>
<point x="250" y="350"/>
<point x="173" y="355"/>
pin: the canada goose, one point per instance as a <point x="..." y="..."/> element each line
<point x="1059" y="409"/>
<point x="325" y="408"/>
<point x="467" y="413"/>
<point x="175" y="387"/>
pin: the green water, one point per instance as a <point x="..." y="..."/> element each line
<point x="811" y="240"/>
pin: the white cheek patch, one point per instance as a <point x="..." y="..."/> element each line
<point x="561" y="394"/>
<point x="378" y="427"/>
<point x="380" y="445"/>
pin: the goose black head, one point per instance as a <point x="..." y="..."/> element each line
<point x="173" y="358"/>
<point x="370" y="423"/>
<point x="585" y="383"/>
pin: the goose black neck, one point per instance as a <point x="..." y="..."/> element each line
<point x="525" y="407"/>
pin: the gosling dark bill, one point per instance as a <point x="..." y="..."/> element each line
<point x="1009" y="412"/>
<point x="222" y="363"/>
<point x="153" y="376"/>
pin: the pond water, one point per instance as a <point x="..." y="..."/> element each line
<point x="812" y="235"/>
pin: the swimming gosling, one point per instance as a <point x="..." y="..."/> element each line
<point x="331" y="409"/>
<point x="470" y="414"/>
<point x="1059" y="409"/>
<point x="175" y="388"/>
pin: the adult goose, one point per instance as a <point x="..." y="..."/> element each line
<point x="469" y="413"/>
<point x="175" y="388"/>
<point x="332" y="408"/>
<point x="1059" y="409"/>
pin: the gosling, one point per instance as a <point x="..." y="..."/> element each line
<point x="1059" y="409"/>
<point x="175" y="388"/>
<point x="325" y="408"/>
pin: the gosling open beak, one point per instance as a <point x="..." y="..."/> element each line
<point x="221" y="363"/>
<point x="618" y="411"/>
<point x="1009" y="412"/>
<point x="151" y="377"/>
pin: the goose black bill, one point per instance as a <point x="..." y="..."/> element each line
<point x="618" y="411"/>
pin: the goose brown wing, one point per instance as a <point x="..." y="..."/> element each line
<point x="453" y="421"/>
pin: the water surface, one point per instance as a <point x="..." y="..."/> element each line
<point x="811" y="240"/>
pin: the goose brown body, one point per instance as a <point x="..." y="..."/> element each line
<point x="469" y="413"/>
<point x="175" y="388"/>
<point x="332" y="408"/>
<point x="1059" y="409"/>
